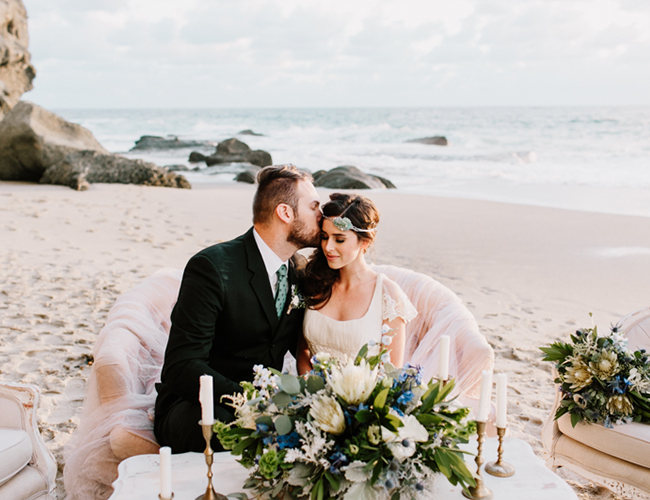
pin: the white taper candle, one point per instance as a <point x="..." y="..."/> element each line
<point x="486" y="396"/>
<point x="165" y="472"/>
<point x="205" y="397"/>
<point x="443" y="369"/>
<point x="502" y="400"/>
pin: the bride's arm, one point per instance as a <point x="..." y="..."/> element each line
<point x="396" y="347"/>
<point x="303" y="358"/>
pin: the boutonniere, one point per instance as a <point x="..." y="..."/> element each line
<point x="297" y="300"/>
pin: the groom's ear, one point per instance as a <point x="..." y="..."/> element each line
<point x="285" y="213"/>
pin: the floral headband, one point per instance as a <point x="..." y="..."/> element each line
<point x="345" y="224"/>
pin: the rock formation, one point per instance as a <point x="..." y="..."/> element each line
<point x="16" y="71"/>
<point x="169" y="142"/>
<point x="33" y="139"/>
<point x="249" y="132"/>
<point x="80" y="168"/>
<point x="349" y="177"/>
<point x="436" y="140"/>
<point x="233" y="151"/>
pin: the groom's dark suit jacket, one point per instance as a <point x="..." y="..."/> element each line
<point x="224" y="322"/>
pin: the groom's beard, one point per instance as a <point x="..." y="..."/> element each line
<point x="300" y="235"/>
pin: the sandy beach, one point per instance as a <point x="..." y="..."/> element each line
<point x="529" y="275"/>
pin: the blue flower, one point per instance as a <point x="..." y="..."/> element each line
<point x="291" y="440"/>
<point x="337" y="459"/>
<point x="405" y="397"/>
<point x="268" y="440"/>
<point x="264" y="428"/>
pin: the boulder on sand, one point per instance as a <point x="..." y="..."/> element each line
<point x="350" y="177"/>
<point x="169" y="142"/>
<point x="33" y="139"/>
<point x="436" y="140"/>
<point x="16" y="70"/>
<point x="81" y="168"/>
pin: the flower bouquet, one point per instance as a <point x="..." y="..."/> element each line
<point x="600" y="379"/>
<point x="351" y="429"/>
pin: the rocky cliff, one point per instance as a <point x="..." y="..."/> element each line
<point x="16" y="70"/>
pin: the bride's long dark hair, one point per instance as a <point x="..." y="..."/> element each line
<point x="319" y="278"/>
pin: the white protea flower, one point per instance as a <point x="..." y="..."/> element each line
<point x="328" y="415"/>
<point x="606" y="367"/>
<point x="353" y="383"/>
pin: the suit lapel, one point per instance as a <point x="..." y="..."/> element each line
<point x="260" y="279"/>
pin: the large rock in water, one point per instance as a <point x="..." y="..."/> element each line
<point x="32" y="139"/>
<point x="234" y="151"/>
<point x="349" y="177"/>
<point x="16" y="70"/>
<point x="170" y="142"/>
<point x="77" y="170"/>
<point x="436" y="140"/>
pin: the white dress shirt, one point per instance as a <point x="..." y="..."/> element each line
<point x="271" y="261"/>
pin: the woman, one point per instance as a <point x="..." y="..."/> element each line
<point x="348" y="303"/>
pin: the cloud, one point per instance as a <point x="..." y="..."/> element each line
<point x="366" y="52"/>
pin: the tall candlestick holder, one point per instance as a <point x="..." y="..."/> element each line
<point x="500" y="468"/>
<point x="480" y="491"/>
<point x="209" y="494"/>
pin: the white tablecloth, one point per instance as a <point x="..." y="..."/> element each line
<point x="139" y="477"/>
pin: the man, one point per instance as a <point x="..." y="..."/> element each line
<point x="232" y="310"/>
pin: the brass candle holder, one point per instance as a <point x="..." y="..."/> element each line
<point x="480" y="491"/>
<point x="209" y="494"/>
<point x="166" y="498"/>
<point x="500" y="468"/>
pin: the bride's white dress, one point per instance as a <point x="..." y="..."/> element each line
<point x="340" y="338"/>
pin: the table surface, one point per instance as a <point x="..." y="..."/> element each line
<point x="139" y="477"/>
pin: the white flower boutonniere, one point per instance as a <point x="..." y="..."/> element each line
<point x="297" y="301"/>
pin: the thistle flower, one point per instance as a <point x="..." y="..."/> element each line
<point x="620" y="405"/>
<point x="328" y="415"/>
<point x="353" y="383"/>
<point x="578" y="374"/>
<point x="606" y="366"/>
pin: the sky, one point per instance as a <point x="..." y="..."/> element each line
<point x="338" y="53"/>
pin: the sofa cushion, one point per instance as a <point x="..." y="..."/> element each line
<point x="629" y="442"/>
<point x="28" y="484"/>
<point x="15" y="452"/>
<point x="616" y="474"/>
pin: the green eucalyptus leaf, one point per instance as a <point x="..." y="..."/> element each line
<point x="283" y="425"/>
<point x="315" y="384"/>
<point x="282" y="399"/>
<point x="289" y="384"/>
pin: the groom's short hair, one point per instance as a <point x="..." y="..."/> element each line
<point x="276" y="184"/>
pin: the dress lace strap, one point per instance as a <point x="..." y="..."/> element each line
<point x="395" y="303"/>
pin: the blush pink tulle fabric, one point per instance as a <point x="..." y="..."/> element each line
<point x="116" y="420"/>
<point x="117" y="416"/>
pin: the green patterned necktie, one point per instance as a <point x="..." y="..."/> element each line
<point x="281" y="289"/>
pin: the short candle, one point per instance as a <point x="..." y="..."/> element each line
<point x="205" y="397"/>
<point x="165" y="472"/>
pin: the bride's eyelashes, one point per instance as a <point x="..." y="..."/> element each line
<point x="325" y="237"/>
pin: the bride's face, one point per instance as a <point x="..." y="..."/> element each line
<point x="340" y="247"/>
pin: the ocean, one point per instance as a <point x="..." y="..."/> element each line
<point x="588" y="158"/>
